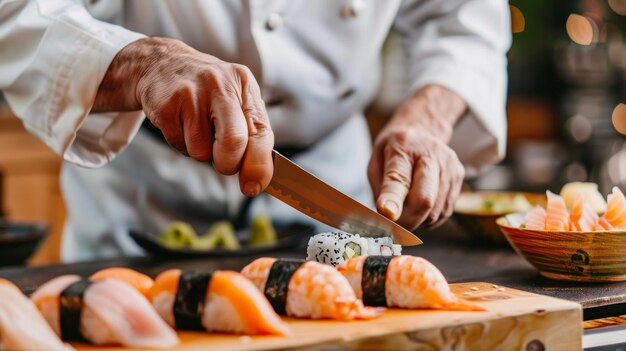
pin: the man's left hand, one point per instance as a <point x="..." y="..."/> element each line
<point x="415" y="176"/>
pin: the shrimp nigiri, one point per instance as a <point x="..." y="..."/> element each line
<point x="557" y="218"/>
<point x="222" y="301"/>
<point x="615" y="215"/>
<point x="21" y="325"/>
<point x="139" y="281"/>
<point x="583" y="217"/>
<point x="401" y="281"/>
<point x="307" y="289"/>
<point x="101" y="312"/>
<point x="535" y="218"/>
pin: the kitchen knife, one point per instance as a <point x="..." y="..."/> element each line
<point x="301" y="190"/>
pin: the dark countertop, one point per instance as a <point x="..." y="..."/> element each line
<point x="446" y="247"/>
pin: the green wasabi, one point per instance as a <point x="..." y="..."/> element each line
<point x="262" y="231"/>
<point x="178" y="235"/>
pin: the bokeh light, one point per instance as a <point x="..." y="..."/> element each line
<point x="619" y="118"/>
<point x="618" y="6"/>
<point x="582" y="30"/>
<point x="580" y="128"/>
<point x="518" y="22"/>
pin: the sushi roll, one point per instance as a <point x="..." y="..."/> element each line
<point x="401" y="281"/>
<point x="383" y="247"/>
<point x="21" y="325"/>
<point x="334" y="248"/>
<point x="307" y="289"/>
<point x="139" y="281"/>
<point x="106" y="312"/>
<point x="220" y="301"/>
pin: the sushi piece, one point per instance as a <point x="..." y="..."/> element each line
<point x="21" y="325"/>
<point x="583" y="217"/>
<point x="402" y="281"/>
<point x="383" y="247"/>
<point x="334" y="248"/>
<point x="535" y="218"/>
<point x="106" y="312"/>
<point x="139" y="281"/>
<point x="220" y="301"/>
<point x="557" y="218"/>
<point x="307" y="289"/>
<point x="615" y="214"/>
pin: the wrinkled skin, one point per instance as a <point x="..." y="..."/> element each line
<point x="206" y="108"/>
<point x="415" y="176"/>
<point x="212" y="110"/>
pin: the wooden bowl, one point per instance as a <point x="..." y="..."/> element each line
<point x="570" y="256"/>
<point x="480" y="224"/>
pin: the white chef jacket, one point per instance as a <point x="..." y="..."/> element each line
<point x="319" y="64"/>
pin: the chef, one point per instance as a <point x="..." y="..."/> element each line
<point x="169" y="110"/>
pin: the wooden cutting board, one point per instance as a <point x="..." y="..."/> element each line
<point x="513" y="320"/>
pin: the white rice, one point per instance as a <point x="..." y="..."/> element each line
<point x="330" y="247"/>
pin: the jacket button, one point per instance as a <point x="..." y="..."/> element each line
<point x="352" y="8"/>
<point x="274" y="21"/>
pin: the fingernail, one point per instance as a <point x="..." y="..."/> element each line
<point x="251" y="189"/>
<point x="392" y="209"/>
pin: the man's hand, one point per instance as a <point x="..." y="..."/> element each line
<point x="206" y="108"/>
<point x="414" y="175"/>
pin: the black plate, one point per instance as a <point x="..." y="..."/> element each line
<point x="289" y="235"/>
<point x="18" y="241"/>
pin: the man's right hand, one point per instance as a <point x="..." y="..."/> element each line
<point x="206" y="108"/>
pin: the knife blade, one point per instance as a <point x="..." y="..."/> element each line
<point x="301" y="190"/>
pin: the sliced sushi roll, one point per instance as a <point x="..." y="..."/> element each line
<point x="383" y="247"/>
<point x="220" y="301"/>
<point x="107" y="312"/>
<point x="307" y="289"/>
<point x="401" y="281"/>
<point x="21" y="325"/>
<point x="139" y="281"/>
<point x="334" y="248"/>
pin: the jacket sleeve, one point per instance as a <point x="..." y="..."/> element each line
<point x="54" y="55"/>
<point x="462" y="45"/>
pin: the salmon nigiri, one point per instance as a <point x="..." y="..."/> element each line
<point x="557" y="218"/>
<point x="307" y="289"/>
<point x="535" y="218"/>
<point x="615" y="215"/>
<point x="583" y="217"/>
<point x="401" y="281"/>
<point x="221" y="301"/>
<point x="139" y="281"/>
<point x="21" y="325"/>
<point x="101" y="312"/>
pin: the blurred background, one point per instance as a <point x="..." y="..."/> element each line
<point x="566" y="114"/>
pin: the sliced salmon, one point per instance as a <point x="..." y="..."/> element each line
<point x="615" y="214"/>
<point x="583" y="217"/>
<point x="557" y="218"/>
<point x="536" y="218"/>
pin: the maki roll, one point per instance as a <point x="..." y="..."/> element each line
<point x="21" y="325"/>
<point x="220" y="301"/>
<point x="334" y="248"/>
<point x="307" y="289"/>
<point x="106" y="312"/>
<point x="383" y="247"/>
<point x="401" y="281"/>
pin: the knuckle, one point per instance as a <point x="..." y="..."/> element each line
<point x="395" y="175"/>
<point x="234" y="141"/>
<point x="241" y="70"/>
<point x="425" y="202"/>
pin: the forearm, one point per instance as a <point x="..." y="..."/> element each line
<point x="433" y="108"/>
